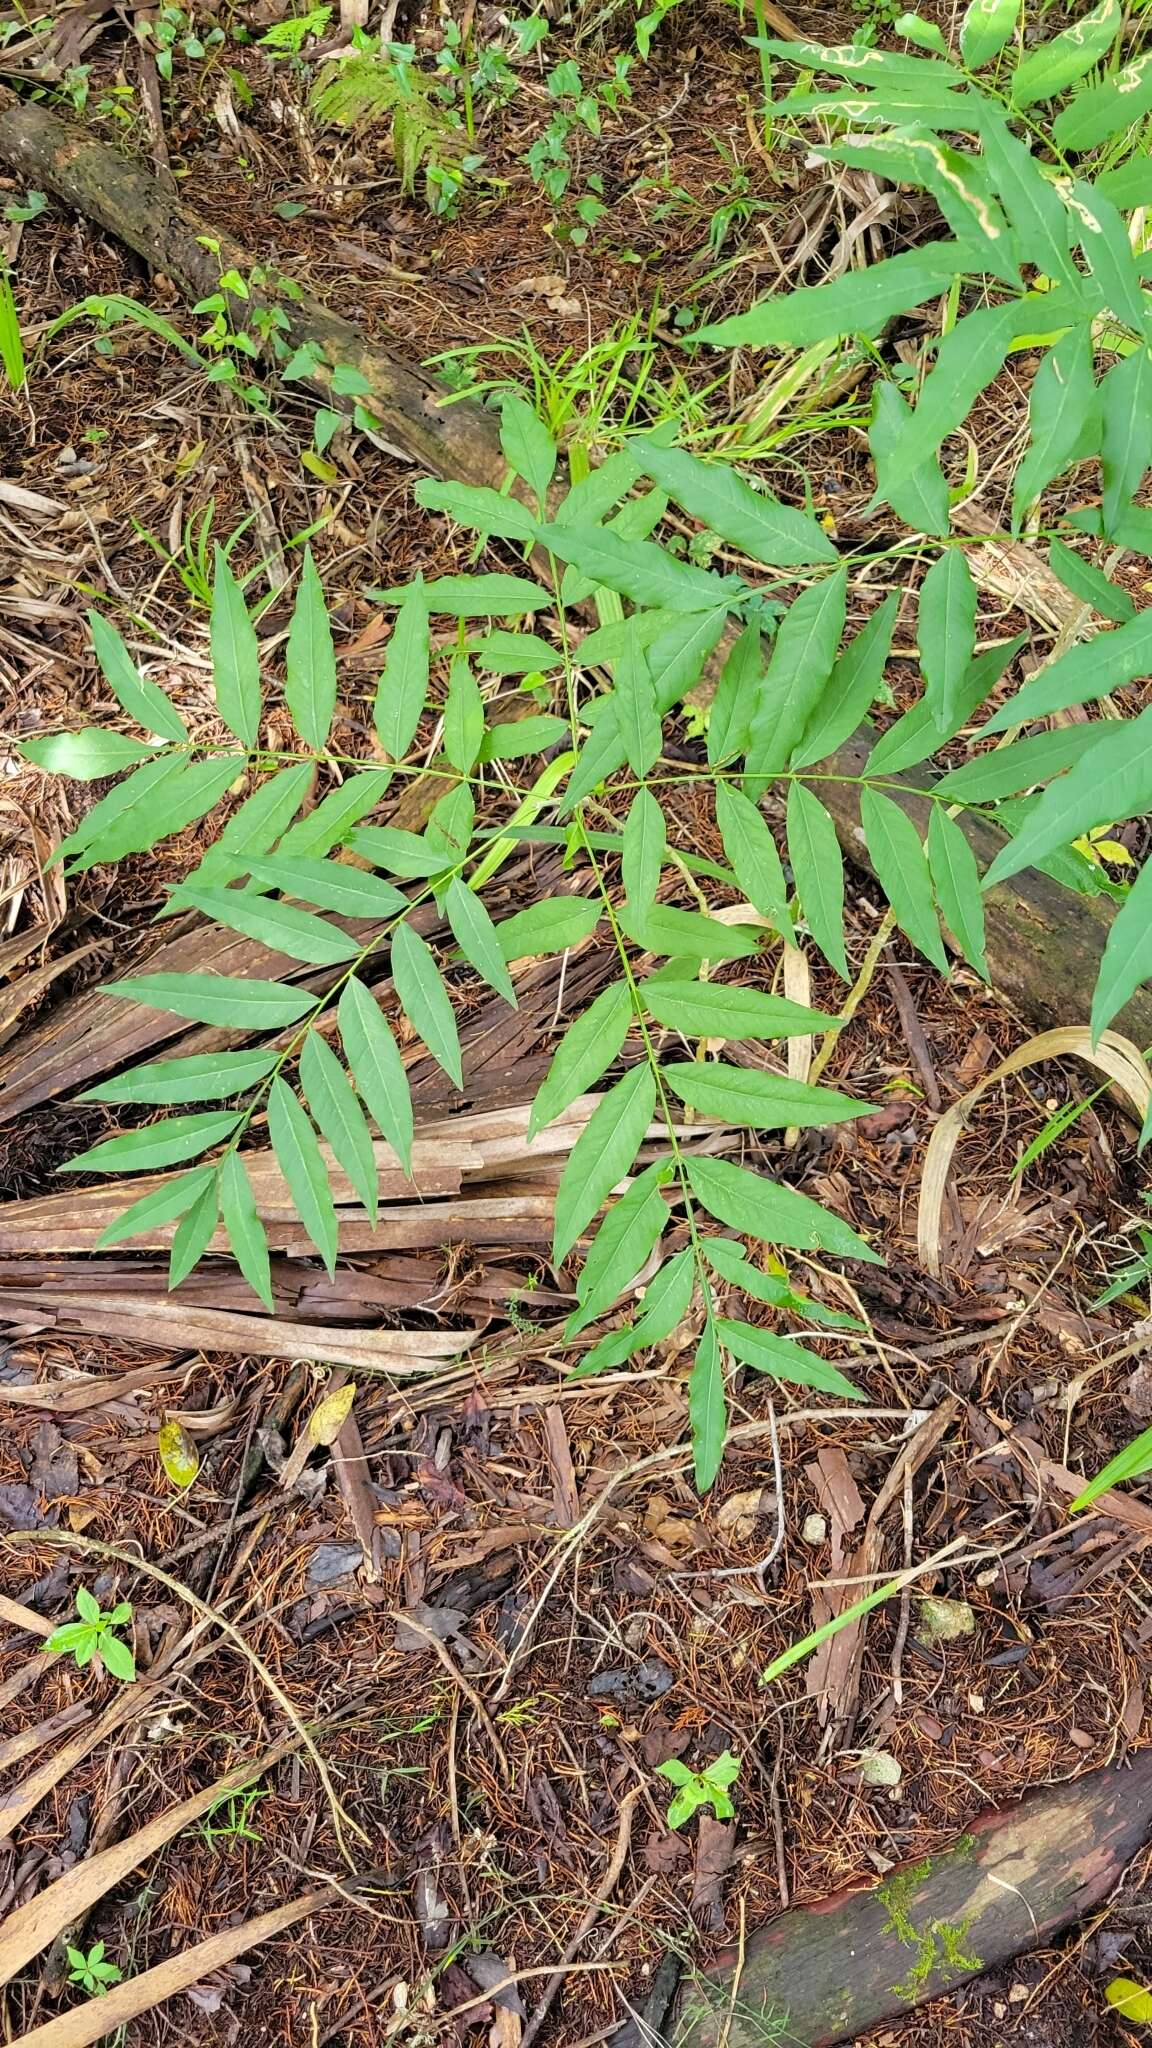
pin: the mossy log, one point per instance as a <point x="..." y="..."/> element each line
<point x="1044" y="943"/>
<point x="827" y="1973"/>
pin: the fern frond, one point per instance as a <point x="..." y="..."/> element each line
<point x="359" y="90"/>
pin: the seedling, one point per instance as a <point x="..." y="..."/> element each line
<point x="94" y="1633"/>
<point x="92" y="1971"/>
<point x="695" y="1789"/>
<point x="227" y="1820"/>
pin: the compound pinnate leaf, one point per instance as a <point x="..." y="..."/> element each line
<point x="374" y="1058"/>
<point x="339" y="1118"/>
<point x="586" y="1051"/>
<point x="310" y="661"/>
<point x="246" y="1233"/>
<point x="235" y="656"/>
<point x="425" y="1001"/>
<point x="603" y="1154"/>
<point x="301" y="1161"/>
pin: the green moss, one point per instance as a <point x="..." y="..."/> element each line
<point x="940" y="1945"/>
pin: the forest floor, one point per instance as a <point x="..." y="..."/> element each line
<point x="496" y="1604"/>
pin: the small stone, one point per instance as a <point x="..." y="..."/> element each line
<point x="815" y="1530"/>
<point x="879" y="1767"/>
<point x="943" y="1621"/>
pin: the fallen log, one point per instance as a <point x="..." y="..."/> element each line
<point x="827" y="1973"/>
<point x="1044" y="943"/>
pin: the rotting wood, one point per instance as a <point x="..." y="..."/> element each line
<point x="1044" y="943"/>
<point x="829" y="1972"/>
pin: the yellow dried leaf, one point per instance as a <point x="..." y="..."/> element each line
<point x="178" y="1453"/>
<point x="329" y="1416"/>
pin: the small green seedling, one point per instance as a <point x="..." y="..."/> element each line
<point x="228" y="1819"/>
<point x="695" y="1789"/>
<point x="92" y="1633"/>
<point x="92" y="1971"/>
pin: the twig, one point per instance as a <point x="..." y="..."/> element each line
<point x="914" y="1033"/>
<point x="469" y="1691"/>
<point x="603" y="1893"/>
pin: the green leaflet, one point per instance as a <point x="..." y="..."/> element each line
<point x="622" y="1243"/>
<point x="1099" y="111"/>
<point x="402" y="690"/>
<point x="730" y="713"/>
<point x="1090" y="584"/>
<point x="603" y="1154"/>
<point x="339" y="1117"/>
<point x="922" y="499"/>
<point x="685" y="934"/>
<point x="1103" y="237"/>
<point x="473" y="597"/>
<point x="1111" y="782"/>
<point x="675" y="661"/>
<point x="1093" y="670"/>
<point x="802" y="657"/>
<point x="146" y="806"/>
<point x="300" y="1160"/>
<point x="477" y="937"/>
<point x="1058" y="64"/>
<point x="719" y="498"/>
<point x="946" y="634"/>
<point x="714" y="1009"/>
<point x="818" y="870"/>
<point x="310" y="661"/>
<point x="216" y="999"/>
<point x="331" y="885"/>
<point x="891" y="68"/>
<point x="1130" y="1463"/>
<point x="727" y="1256"/>
<point x="782" y="1356"/>
<point x="85" y="756"/>
<point x="515" y="654"/>
<point x="476" y="505"/>
<point x="1128" y="184"/>
<point x="593" y="497"/>
<point x="915" y="736"/>
<point x="967" y="360"/>
<point x="377" y="1067"/>
<point x="527" y="446"/>
<point x="193" y="1235"/>
<point x="667" y="1300"/>
<point x="523" y="736"/>
<point x="1126" y="443"/>
<point x="252" y="829"/>
<point x="463" y="716"/>
<point x="167" y="1143"/>
<point x="586" y="1051"/>
<point x="956" y="880"/>
<point x="638" y="569"/>
<point x="645" y="844"/>
<point x="902" y="869"/>
<point x="1035" y="209"/>
<point x="775" y="1214"/>
<point x="235" y="656"/>
<point x="409" y="854"/>
<point x="298" y="933"/>
<point x="707" y="1407"/>
<point x="1127" y="955"/>
<point x="425" y="1001"/>
<point x="154" y="1210"/>
<point x="766" y="1102"/>
<point x="335" y="815"/>
<point x="1026" y="763"/>
<point x="751" y="851"/>
<point x="986" y="27"/>
<point x="637" y="719"/>
<point x="1062" y="411"/>
<point x="855" y="684"/>
<point x="142" y="699"/>
<point x="860" y="302"/>
<point x="246" y="1233"/>
<point x="204" y="1077"/>
<point x="550" y="926"/>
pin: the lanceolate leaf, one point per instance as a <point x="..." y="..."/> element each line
<point x="1034" y="207"/>
<point x="1026" y="763"/>
<point x="425" y="1001"/>
<point x="1059" y="63"/>
<point x="755" y="862"/>
<point x="915" y="736"/>
<point x="1111" y="782"/>
<point x="403" y="687"/>
<point x="603" y="1154"/>
<point x="1126" y="444"/>
<point x="335" y="815"/>
<point x="720" y="499"/>
<point x="136" y="813"/>
<point x="623" y="1242"/>
<point x="476" y="505"/>
<point x="339" y="1117"/>
<point x="246" y="1233"/>
<point x="204" y="1077"/>
<point x="642" y="854"/>
<point x="920" y="500"/>
<point x="667" y="1300"/>
<point x="194" y="1233"/>
<point x="1094" y="670"/>
<point x="814" y="852"/>
<point x="766" y="1352"/>
<point x="767" y="1102"/>
<point x="802" y="657"/>
<point x="730" y="713"/>
<point x="1099" y="111"/>
<point x="235" y="656"/>
<point x="1130" y="1463"/>
<point x="638" y="569"/>
<point x="155" y="1210"/>
<point x="637" y="719"/>
<point x="142" y="699"/>
<point x="1104" y="239"/>
<point x="168" y="1143"/>
<point x="946" y="632"/>
<point x="968" y="358"/>
<point x="855" y="684"/>
<point x="527" y="445"/>
<point x="310" y="663"/>
<point x="85" y="756"/>
<point x="777" y="1215"/>
<point x="301" y="1162"/>
<point x="216" y="999"/>
<point x="550" y="926"/>
<point x="1128" y="954"/>
<point x="476" y="936"/>
<point x="473" y="597"/>
<point x="685" y="934"/>
<point x="902" y="869"/>
<point x="398" y="852"/>
<point x="956" y="880"/>
<point x="252" y="829"/>
<point x="516" y="654"/>
<point x="860" y="302"/>
<point x="298" y="933"/>
<point x="714" y="1009"/>
<point x="463" y="716"/>
<point x="376" y="1064"/>
<point x="1090" y="584"/>
<point x="586" y="1051"/>
<point x="331" y="885"/>
<point x="986" y="27"/>
<point x="707" y="1407"/>
<point x="1061" y="407"/>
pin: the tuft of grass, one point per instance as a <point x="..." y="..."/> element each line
<point x="11" y="341"/>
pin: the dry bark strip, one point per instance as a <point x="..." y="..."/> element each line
<point x="1014" y="1881"/>
<point x="1044" y="943"/>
